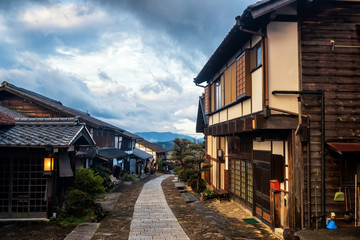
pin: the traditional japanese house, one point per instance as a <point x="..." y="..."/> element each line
<point x="37" y="163"/>
<point x="281" y="87"/>
<point x="42" y="143"/>
<point x="32" y="104"/>
<point x="151" y="148"/>
<point x="138" y="162"/>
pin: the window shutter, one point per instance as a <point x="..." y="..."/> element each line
<point x="207" y="100"/>
<point x="243" y="76"/>
<point x="212" y="97"/>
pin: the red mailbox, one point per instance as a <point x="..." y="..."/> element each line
<point x="274" y="185"/>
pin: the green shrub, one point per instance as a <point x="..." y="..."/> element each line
<point x="77" y="204"/>
<point x="104" y="173"/>
<point x="198" y="185"/>
<point x="208" y="194"/>
<point x="89" y="182"/>
<point x="159" y="163"/>
<point x="80" y="207"/>
<point x="129" y="177"/>
<point x="181" y="174"/>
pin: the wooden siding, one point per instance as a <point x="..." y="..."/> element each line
<point x="227" y="86"/>
<point x="207" y="100"/>
<point x="337" y="72"/>
<point x="28" y="108"/>
<point x="104" y="138"/>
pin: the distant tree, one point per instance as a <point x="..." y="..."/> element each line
<point x="191" y="156"/>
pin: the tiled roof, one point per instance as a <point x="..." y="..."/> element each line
<point x="150" y="145"/>
<point x="141" y="154"/>
<point x="253" y="18"/>
<point x="10" y="112"/>
<point x="111" y="153"/>
<point x="6" y="120"/>
<point x="56" y="132"/>
<point x="57" y="105"/>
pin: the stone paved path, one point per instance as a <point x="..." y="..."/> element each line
<point x="153" y="219"/>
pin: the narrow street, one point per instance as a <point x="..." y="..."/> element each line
<point x="153" y="219"/>
<point x="154" y="209"/>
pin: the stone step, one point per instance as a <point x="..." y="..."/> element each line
<point x="189" y="197"/>
<point x="180" y="185"/>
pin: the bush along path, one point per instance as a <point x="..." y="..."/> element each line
<point x="116" y="224"/>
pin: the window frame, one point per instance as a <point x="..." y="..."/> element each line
<point x="256" y="56"/>
<point x="245" y="82"/>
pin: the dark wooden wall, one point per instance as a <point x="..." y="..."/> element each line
<point x="104" y="138"/>
<point x="27" y="107"/>
<point x="337" y="72"/>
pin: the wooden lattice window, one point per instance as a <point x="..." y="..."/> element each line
<point x="243" y="77"/>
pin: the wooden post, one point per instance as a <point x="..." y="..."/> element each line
<point x="272" y="209"/>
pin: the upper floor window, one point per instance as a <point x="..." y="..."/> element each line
<point x="218" y="94"/>
<point x="243" y="76"/>
<point x="256" y="56"/>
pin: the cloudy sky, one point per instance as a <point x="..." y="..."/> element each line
<point x="128" y="62"/>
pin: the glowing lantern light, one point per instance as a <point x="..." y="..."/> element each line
<point x="48" y="164"/>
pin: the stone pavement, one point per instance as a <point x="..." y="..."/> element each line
<point x="212" y="220"/>
<point x="152" y="218"/>
<point x="84" y="231"/>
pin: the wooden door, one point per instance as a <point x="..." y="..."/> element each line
<point x="262" y="185"/>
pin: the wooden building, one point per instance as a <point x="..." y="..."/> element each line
<point x="280" y="103"/>
<point x="32" y="104"/>
<point x="151" y="148"/>
<point x="36" y="131"/>
<point x="37" y="164"/>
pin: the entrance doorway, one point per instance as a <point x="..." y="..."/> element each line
<point x="262" y="185"/>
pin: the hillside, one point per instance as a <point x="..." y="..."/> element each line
<point x="164" y="139"/>
<point x="163" y="136"/>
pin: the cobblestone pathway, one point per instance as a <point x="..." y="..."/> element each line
<point x="153" y="219"/>
<point x="212" y="220"/>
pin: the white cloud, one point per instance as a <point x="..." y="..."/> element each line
<point x="189" y="112"/>
<point x="113" y="63"/>
<point x="61" y="16"/>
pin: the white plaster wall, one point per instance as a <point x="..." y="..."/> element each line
<point x="257" y="90"/>
<point x="262" y="146"/>
<point x="283" y="64"/>
<point x="223" y="115"/>
<point x="246" y="107"/>
<point x="209" y="145"/>
<point x="278" y="148"/>
<point x="214" y="147"/>
<point x="216" y="118"/>
<point x="235" y="111"/>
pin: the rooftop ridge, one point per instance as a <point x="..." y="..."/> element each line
<point x="48" y="121"/>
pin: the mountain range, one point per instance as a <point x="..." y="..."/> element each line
<point x="164" y="139"/>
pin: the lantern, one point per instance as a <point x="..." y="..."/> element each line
<point x="48" y="165"/>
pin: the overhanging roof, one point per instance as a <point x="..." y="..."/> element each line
<point x="150" y="145"/>
<point x="141" y="154"/>
<point x="253" y="18"/>
<point x="57" y="106"/>
<point x="111" y="153"/>
<point x="344" y="147"/>
<point x="43" y="132"/>
<point x="202" y="119"/>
